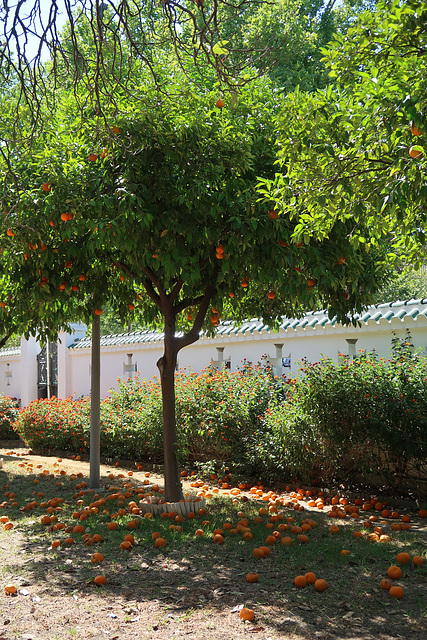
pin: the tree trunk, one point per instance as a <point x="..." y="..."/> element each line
<point x="167" y="365"/>
<point x="95" y="402"/>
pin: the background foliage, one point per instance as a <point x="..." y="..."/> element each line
<point x="8" y="415"/>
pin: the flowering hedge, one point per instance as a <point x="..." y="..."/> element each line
<point x="332" y="422"/>
<point x="56" y="424"/>
<point x="369" y="415"/>
<point x="214" y="411"/>
<point x="8" y="416"/>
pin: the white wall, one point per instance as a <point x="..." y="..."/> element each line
<point x="10" y="375"/>
<point x="311" y="343"/>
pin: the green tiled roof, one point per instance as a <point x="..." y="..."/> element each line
<point x="10" y="351"/>
<point x="315" y="320"/>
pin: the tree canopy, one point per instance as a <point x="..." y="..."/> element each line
<point x="354" y="151"/>
<point x="149" y="205"/>
<point x="154" y="211"/>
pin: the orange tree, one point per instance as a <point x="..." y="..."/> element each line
<point x="155" y="211"/>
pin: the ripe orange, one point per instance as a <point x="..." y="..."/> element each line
<point x="125" y="545"/>
<point x="418" y="561"/>
<point x="96" y="558"/>
<point x="246" y="614"/>
<point x="252" y="577"/>
<point x="300" y="581"/>
<point x="130" y="538"/>
<point x="10" y="589"/>
<point x="220" y="103"/>
<point x="100" y="580"/>
<point x="414" y="153"/>
<point x="320" y="585"/>
<point x="46" y="186"/>
<point x="98" y="312"/>
<point x="396" y="592"/>
<point x="271" y="295"/>
<point x="310" y="577"/>
<point x="394" y="572"/>
<point x="415" y="131"/>
<point x="93" y="157"/>
<point x="403" y="557"/>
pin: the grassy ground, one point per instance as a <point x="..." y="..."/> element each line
<point x="192" y="587"/>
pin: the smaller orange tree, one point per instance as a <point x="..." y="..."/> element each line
<point x="157" y="212"/>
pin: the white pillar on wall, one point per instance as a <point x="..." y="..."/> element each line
<point x="29" y="351"/>
<point x="220" y="363"/>
<point x="64" y="361"/>
<point x="276" y="362"/>
<point x="351" y="347"/>
<point x="130" y="367"/>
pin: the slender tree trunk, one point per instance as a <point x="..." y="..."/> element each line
<point x="48" y="368"/>
<point x="167" y="365"/>
<point x="5" y="339"/>
<point x="95" y="402"/>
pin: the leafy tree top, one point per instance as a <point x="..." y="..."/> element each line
<point x="161" y="213"/>
<point x="356" y="152"/>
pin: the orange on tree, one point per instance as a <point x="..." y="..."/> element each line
<point x="415" y="153"/>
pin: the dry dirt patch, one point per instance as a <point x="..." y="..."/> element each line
<point x="194" y="591"/>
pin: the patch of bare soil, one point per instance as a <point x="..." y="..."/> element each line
<point x="193" y="596"/>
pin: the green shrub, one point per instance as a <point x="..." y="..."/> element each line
<point x="217" y="410"/>
<point x="131" y="421"/>
<point x="370" y="414"/>
<point x="8" y="416"/>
